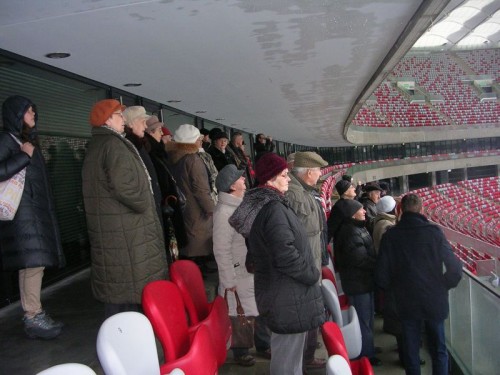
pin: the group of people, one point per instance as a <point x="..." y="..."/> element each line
<point x="146" y="190"/>
<point x="390" y="249"/>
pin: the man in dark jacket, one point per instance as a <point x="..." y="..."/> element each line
<point x="301" y="196"/>
<point x="412" y="257"/>
<point x="237" y="146"/>
<point x="369" y="200"/>
<point x="286" y="279"/>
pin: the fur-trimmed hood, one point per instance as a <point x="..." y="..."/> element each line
<point x="176" y="150"/>
<point x="243" y="217"/>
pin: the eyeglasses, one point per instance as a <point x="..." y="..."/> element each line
<point x="117" y="113"/>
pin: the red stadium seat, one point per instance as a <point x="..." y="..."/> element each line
<point x="334" y="343"/>
<point x="187" y="276"/>
<point x="190" y="349"/>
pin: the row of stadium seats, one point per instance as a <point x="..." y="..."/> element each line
<point x="465" y="210"/>
<point x="440" y="75"/>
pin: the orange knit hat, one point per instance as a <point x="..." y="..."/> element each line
<point x="103" y="109"/>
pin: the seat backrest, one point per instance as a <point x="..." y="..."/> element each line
<point x="187" y="276"/>
<point x="68" y="368"/>
<point x="126" y="345"/>
<point x="333" y="339"/>
<point x="162" y="303"/>
<point x="337" y="365"/>
<point x="332" y="301"/>
<point x="327" y="273"/>
<point x="351" y="332"/>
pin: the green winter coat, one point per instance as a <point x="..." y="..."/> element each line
<point x="125" y="233"/>
<point x="308" y="211"/>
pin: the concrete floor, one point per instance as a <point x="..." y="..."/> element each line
<point x="71" y="301"/>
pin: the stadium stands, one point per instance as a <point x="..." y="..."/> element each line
<point x="471" y="207"/>
<point x="446" y="83"/>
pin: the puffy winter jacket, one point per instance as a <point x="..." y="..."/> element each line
<point x="355" y="257"/>
<point x="125" y="233"/>
<point x="32" y="238"/>
<point x="286" y="279"/>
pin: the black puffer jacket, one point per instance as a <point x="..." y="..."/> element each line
<point x="32" y="238"/>
<point x="286" y="279"/>
<point x="355" y="257"/>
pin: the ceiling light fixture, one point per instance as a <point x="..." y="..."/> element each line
<point x="220" y="119"/>
<point x="201" y="112"/>
<point x="173" y="101"/>
<point x="132" y="84"/>
<point x="58" y="55"/>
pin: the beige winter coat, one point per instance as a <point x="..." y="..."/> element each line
<point x="230" y="253"/>
<point x="382" y="222"/>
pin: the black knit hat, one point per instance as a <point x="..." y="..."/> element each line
<point x="342" y="186"/>
<point x="348" y="207"/>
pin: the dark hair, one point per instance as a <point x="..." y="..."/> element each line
<point x="258" y="136"/>
<point x="234" y="135"/>
<point x="411" y="203"/>
<point x="29" y="134"/>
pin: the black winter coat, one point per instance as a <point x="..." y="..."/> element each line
<point x="146" y="159"/>
<point x="221" y="159"/>
<point x="411" y="259"/>
<point x="286" y="279"/>
<point x="371" y="212"/>
<point x="32" y="238"/>
<point x="355" y="257"/>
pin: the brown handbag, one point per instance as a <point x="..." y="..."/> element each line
<point x="241" y="324"/>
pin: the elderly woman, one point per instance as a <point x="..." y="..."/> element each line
<point x="191" y="175"/>
<point x="126" y="237"/>
<point x="30" y="242"/>
<point x="286" y="278"/>
<point x="135" y="120"/>
<point x="230" y="251"/>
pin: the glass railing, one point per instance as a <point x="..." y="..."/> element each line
<point x="473" y="326"/>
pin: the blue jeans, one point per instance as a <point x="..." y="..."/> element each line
<point x="363" y="303"/>
<point x="412" y="329"/>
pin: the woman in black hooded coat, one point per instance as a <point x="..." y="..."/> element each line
<point x="31" y="241"/>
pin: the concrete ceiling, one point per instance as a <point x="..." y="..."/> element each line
<point x="293" y="69"/>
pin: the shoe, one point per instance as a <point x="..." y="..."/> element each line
<point x="245" y="360"/>
<point x="316" y="363"/>
<point x="374" y="361"/>
<point x="41" y="326"/>
<point x="55" y="323"/>
<point x="265" y="354"/>
<point x="422" y="363"/>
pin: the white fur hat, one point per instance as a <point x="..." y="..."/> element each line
<point x="186" y="134"/>
<point x="386" y="204"/>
